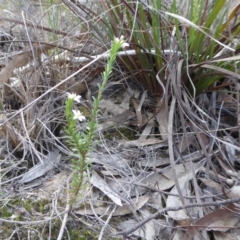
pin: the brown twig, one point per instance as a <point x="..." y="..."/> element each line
<point x="164" y="210"/>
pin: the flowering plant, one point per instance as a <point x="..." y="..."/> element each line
<point x="81" y="143"/>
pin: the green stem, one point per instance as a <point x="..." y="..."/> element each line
<point x="82" y="143"/>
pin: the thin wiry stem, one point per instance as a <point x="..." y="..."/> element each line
<point x="164" y="210"/>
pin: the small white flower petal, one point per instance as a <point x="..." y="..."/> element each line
<point x="71" y="95"/>
<point x="74" y="96"/>
<point x="116" y="39"/>
<point x="121" y="41"/>
<point x="125" y="45"/>
<point x="78" y="115"/>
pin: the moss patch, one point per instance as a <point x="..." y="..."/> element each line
<point x="32" y="210"/>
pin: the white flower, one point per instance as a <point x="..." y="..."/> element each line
<point x="74" y="96"/>
<point x="78" y="115"/>
<point x="13" y="217"/>
<point x="125" y="45"/>
<point x="121" y="41"/>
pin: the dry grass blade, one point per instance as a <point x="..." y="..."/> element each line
<point x="29" y="24"/>
<point x="171" y="144"/>
<point x="73" y="7"/>
<point x="182" y="19"/>
<point x="168" y="120"/>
